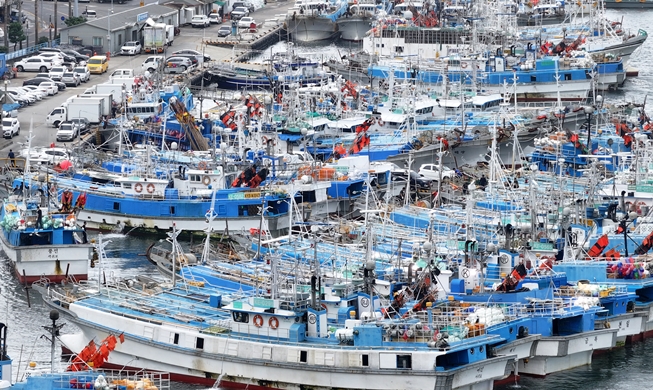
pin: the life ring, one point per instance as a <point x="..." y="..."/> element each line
<point x="258" y="321"/>
<point x="273" y="322"/>
<point x="206" y="180"/>
<point x="463" y="65"/>
<point x="138" y="188"/>
<point x="324" y="306"/>
<point x="380" y="122"/>
<point x="202" y="165"/>
<point x="150" y="188"/>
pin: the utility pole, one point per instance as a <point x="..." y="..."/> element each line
<point x="56" y="16"/>
<point x="70" y="8"/>
<point x="5" y="22"/>
<point x="36" y="22"/>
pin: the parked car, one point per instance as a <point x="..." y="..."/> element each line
<point x="57" y="72"/>
<point x="71" y="79"/>
<point x="122" y="73"/>
<point x="131" y="48"/>
<point x="38" y="94"/>
<point x="34" y="64"/>
<point x="246" y="4"/>
<point x="200" y="21"/>
<point x="43" y="91"/>
<point x="42" y="77"/>
<point x="10" y="127"/>
<point x="246" y="22"/>
<point x="83" y="125"/>
<point x="21" y="95"/>
<point x="177" y="64"/>
<point x="46" y="51"/>
<point x="45" y="155"/>
<point x="214" y="18"/>
<point x="224" y="31"/>
<point x="239" y="12"/>
<point x="152" y="63"/>
<point x="56" y="58"/>
<point x="49" y="86"/>
<point x="78" y="56"/>
<point x="83" y="73"/>
<point x="195" y="60"/>
<point x="418" y="183"/>
<point x="432" y="172"/>
<point x="67" y="131"/>
<point x="196" y="53"/>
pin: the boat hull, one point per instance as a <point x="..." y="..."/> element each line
<point x="311" y="29"/>
<point x="354" y="28"/>
<point x="54" y="262"/>
<point x="560" y="353"/>
<point x="632" y="4"/>
<point x="259" y="365"/>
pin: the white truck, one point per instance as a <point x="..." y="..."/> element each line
<point x="91" y="109"/>
<point x="107" y="89"/>
<point x="105" y="99"/>
<point x="154" y="38"/>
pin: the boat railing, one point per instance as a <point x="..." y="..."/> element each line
<point x="119" y="378"/>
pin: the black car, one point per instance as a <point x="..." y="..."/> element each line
<point x="246" y="4"/>
<point x="418" y="183"/>
<point x="78" y="57"/>
<point x="38" y="80"/>
<point x="224" y="31"/>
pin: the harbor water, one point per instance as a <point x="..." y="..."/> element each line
<point x="624" y="367"/>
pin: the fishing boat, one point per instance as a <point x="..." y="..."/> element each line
<point x="243" y="338"/>
<point x="314" y="20"/>
<point x="357" y="21"/>
<point x="42" y="242"/>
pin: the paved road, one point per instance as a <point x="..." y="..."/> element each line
<point x="44" y="135"/>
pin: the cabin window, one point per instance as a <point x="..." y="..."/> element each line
<point x="240" y="317"/>
<point x="365" y="360"/>
<point x="116" y="206"/>
<point x="195" y="178"/>
<point x="175" y="339"/>
<point x="567" y="76"/>
<point x="172" y="209"/>
<point x="303" y="356"/>
<point x="404" y="361"/>
<point x="127" y="186"/>
<point x="242" y="210"/>
<point x="199" y="343"/>
<point x="399" y="49"/>
<point x="533" y="79"/>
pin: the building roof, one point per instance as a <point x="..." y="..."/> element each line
<point x="119" y="20"/>
<point x="184" y="3"/>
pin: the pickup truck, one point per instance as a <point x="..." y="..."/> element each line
<point x="239" y="12"/>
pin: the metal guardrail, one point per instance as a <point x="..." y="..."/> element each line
<point x="29" y="50"/>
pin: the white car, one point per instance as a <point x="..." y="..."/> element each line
<point x="21" y="95"/>
<point x="432" y="172"/>
<point x="214" y="18"/>
<point x="56" y="73"/>
<point x="50" y="86"/>
<point x="10" y="127"/>
<point x="39" y="95"/>
<point x="67" y="131"/>
<point x="42" y="91"/>
<point x="152" y="63"/>
<point x="34" y="64"/>
<point x="83" y="73"/>
<point x="45" y="155"/>
<point x="56" y="58"/>
<point x="200" y="21"/>
<point x="246" y="22"/>
<point x="131" y="48"/>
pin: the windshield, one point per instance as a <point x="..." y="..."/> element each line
<point x="95" y="61"/>
<point x="66" y="126"/>
<point x="79" y="70"/>
<point x="130" y="44"/>
<point x="68" y="75"/>
<point x="57" y="69"/>
<point x="6" y="123"/>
